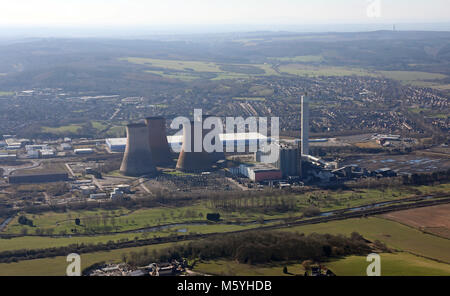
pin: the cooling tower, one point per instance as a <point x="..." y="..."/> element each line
<point x="137" y="160"/>
<point x="190" y="159"/>
<point x="157" y="138"/>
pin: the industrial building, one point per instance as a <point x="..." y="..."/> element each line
<point x="116" y="144"/>
<point x="38" y="177"/>
<point x="288" y="161"/>
<point x="260" y="172"/>
<point x="240" y="141"/>
<point x="83" y="151"/>
<point x="7" y="157"/>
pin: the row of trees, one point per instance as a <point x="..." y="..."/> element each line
<point x="426" y="178"/>
<point x="258" y="247"/>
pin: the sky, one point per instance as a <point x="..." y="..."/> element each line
<point x="84" y="13"/>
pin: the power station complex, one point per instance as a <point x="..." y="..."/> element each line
<point x="148" y="146"/>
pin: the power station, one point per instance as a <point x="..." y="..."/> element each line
<point x="147" y="146"/>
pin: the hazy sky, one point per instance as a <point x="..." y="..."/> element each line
<point x="172" y="12"/>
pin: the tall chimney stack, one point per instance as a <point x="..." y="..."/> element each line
<point x="305" y="125"/>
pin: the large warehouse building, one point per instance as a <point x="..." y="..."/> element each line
<point x="116" y="144"/>
<point x="237" y="140"/>
<point x="38" y="177"/>
<point x="260" y="172"/>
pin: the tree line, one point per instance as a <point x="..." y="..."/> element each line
<point x="259" y="247"/>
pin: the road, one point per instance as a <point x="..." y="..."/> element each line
<point x="5" y="223"/>
<point x="7" y="170"/>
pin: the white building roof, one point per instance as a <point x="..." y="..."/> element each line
<point x="116" y="141"/>
<point x="178" y="139"/>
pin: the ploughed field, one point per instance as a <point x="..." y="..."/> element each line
<point x="435" y="219"/>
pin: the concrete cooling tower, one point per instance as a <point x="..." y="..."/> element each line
<point x="192" y="161"/>
<point x="137" y="160"/>
<point x="157" y="138"/>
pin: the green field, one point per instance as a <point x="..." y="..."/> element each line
<point x="251" y="99"/>
<point x="116" y="131"/>
<point x="416" y="252"/>
<point x="39" y="242"/>
<point x="99" y="125"/>
<point x="190" y="70"/>
<point x="6" y="93"/>
<point x="57" y="266"/>
<point x="124" y="219"/>
<point x="393" y="234"/>
<point x="62" y="130"/>
<point x="298" y="65"/>
<point x="233" y="268"/>
<point x="392" y="264"/>
<point x="412" y="76"/>
<point x="300" y="59"/>
<point x="307" y="70"/>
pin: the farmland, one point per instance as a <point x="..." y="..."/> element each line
<point x="62" y="130"/>
<point x="392" y="264"/>
<point x="57" y="266"/>
<point x="315" y="71"/>
<point x="123" y="219"/>
<point x="434" y="219"/>
<point x="190" y="70"/>
<point x="393" y="234"/>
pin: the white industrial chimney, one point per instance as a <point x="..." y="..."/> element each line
<point x="305" y="125"/>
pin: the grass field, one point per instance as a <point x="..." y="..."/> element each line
<point x="73" y="128"/>
<point x="412" y="76"/>
<point x="6" y="93"/>
<point x="300" y="59"/>
<point x="298" y="65"/>
<point x="307" y="70"/>
<point x="190" y="70"/>
<point x="411" y="245"/>
<point x="57" y="266"/>
<point x="252" y="99"/>
<point x="39" y="242"/>
<point x="128" y="220"/>
<point x="392" y="264"/>
<point x="393" y="234"/>
<point x="233" y="268"/>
